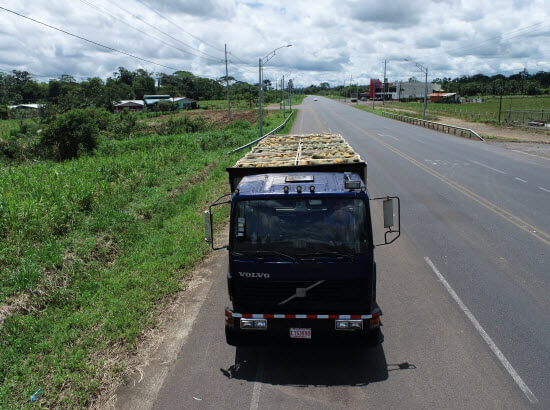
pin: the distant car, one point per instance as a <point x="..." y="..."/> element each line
<point x="363" y="98"/>
<point x="315" y="99"/>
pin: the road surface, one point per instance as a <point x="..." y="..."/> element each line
<point x="465" y="292"/>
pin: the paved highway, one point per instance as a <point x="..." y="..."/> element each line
<point x="464" y="292"/>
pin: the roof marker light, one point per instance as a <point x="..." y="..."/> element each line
<point x="285" y="189"/>
<point x="299" y="189"/>
<point x="312" y="188"/>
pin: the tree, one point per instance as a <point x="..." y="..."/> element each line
<point x="71" y="133"/>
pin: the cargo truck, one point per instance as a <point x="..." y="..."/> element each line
<point x="301" y="248"/>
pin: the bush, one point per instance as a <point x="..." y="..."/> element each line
<point x="165" y="105"/>
<point x="71" y="133"/>
<point x="125" y="124"/>
<point x="101" y="117"/>
<point x="238" y="125"/>
<point x="182" y="125"/>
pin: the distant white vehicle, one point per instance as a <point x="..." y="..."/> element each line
<point x="315" y="99"/>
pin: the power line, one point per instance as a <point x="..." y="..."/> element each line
<point x="215" y="59"/>
<point x="181" y="28"/>
<point x="89" y="41"/>
<point x="526" y="29"/>
<point x="101" y="10"/>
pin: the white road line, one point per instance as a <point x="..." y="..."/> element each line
<point x="487" y="166"/>
<point x="544" y="189"/>
<point x="526" y="153"/>
<point x="391" y="136"/>
<point x="257" y="388"/>
<point x="519" y="179"/>
<point x="519" y="381"/>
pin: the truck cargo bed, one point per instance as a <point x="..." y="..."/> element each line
<point x="299" y="153"/>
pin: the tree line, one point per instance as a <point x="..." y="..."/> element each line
<point x="65" y="93"/>
<point x="521" y="83"/>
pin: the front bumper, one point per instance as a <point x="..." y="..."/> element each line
<point x="323" y="326"/>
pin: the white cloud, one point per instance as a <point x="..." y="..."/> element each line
<point x="331" y="40"/>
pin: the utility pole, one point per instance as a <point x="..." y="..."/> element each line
<point x="384" y="87"/>
<point x="344" y="91"/>
<point x="350" y="79"/>
<point x="500" y="104"/>
<point x="227" y="86"/>
<point x="425" y="94"/>
<point x="357" y="89"/>
<point x="290" y="94"/>
<point x="283" y="95"/>
<point x="261" y="97"/>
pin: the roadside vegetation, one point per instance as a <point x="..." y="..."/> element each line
<point x="94" y="242"/>
<point x="514" y="109"/>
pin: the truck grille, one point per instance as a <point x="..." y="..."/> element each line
<point x="331" y="296"/>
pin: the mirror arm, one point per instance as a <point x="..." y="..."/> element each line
<point x="209" y="213"/>
<point x="390" y="230"/>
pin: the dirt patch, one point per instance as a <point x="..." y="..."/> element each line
<point x="218" y="118"/>
<point x="19" y="303"/>
<point x="501" y="134"/>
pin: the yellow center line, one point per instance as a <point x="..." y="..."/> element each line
<point x="508" y="216"/>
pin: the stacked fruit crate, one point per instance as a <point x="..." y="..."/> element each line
<point x="288" y="150"/>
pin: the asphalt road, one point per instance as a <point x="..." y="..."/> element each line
<point x="464" y="291"/>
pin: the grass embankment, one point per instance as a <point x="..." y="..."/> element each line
<point x="90" y="250"/>
<point x="519" y="109"/>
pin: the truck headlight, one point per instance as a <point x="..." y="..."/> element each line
<point x="349" y="325"/>
<point x="254" y="324"/>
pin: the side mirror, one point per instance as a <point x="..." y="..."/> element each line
<point x="208" y="236"/>
<point x="387" y="206"/>
<point x="388" y="211"/>
<point x="209" y="221"/>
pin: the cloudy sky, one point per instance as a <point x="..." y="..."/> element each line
<point x="331" y="40"/>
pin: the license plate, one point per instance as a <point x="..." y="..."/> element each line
<point x="300" y="333"/>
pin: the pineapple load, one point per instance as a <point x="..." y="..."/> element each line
<point x="289" y="150"/>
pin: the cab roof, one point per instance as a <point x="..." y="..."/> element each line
<point x="323" y="183"/>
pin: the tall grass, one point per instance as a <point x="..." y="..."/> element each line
<point x="89" y="248"/>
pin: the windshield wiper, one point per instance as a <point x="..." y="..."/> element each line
<point x="265" y="252"/>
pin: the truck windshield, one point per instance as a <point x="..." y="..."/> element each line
<point x="323" y="226"/>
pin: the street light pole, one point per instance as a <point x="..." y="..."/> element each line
<point x="261" y="63"/>
<point x="261" y="97"/>
<point x="425" y="71"/>
<point x="425" y="93"/>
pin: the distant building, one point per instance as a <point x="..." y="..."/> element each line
<point x="151" y="100"/>
<point x="401" y="90"/>
<point x="413" y="89"/>
<point x="26" y="107"/>
<point x="132" y="105"/>
<point x="444" y="97"/>
<point x="183" y="102"/>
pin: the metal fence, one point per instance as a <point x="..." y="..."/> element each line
<point x="434" y="125"/>
<point x="273" y="131"/>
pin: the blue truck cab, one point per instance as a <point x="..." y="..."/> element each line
<point x="301" y="247"/>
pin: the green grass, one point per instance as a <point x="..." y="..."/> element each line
<point x="524" y="108"/>
<point x="92" y="248"/>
